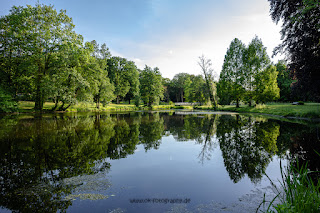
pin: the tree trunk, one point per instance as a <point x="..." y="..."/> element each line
<point x="237" y="103"/>
<point x="213" y="102"/>
<point x="56" y="101"/>
<point x="118" y="100"/>
<point x="39" y="96"/>
<point x="98" y="102"/>
<point x="181" y="95"/>
<point x="61" y="107"/>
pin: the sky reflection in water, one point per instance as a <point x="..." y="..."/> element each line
<point x="113" y="162"/>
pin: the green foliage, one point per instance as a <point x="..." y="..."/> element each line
<point x="97" y="74"/>
<point x="247" y="75"/>
<point x="124" y="76"/>
<point x="284" y="81"/>
<point x="39" y="49"/>
<point x="137" y="100"/>
<point x="197" y="90"/>
<point x="185" y="87"/>
<point x="300" y="43"/>
<point x="256" y="60"/>
<point x="151" y="88"/>
<point x="248" y="145"/>
<point x="232" y="76"/>
<point x="266" y="85"/>
<point x="179" y="85"/>
<point x="298" y="192"/>
<point x="7" y="104"/>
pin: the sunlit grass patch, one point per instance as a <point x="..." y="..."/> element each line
<point x="26" y="106"/>
<point x="308" y="110"/>
<point x="159" y="107"/>
<point x="260" y="106"/>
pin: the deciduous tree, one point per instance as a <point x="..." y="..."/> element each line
<point x="232" y="76"/>
<point x="301" y="43"/>
<point x="36" y="38"/>
<point x="205" y="65"/>
<point x="151" y="88"/>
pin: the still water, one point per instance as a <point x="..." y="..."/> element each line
<point x="172" y="161"/>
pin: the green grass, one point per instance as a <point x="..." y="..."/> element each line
<point x="308" y="110"/>
<point x="206" y="107"/>
<point x="297" y="192"/>
<point x="28" y="106"/>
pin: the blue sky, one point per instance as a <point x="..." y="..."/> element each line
<point x="169" y="34"/>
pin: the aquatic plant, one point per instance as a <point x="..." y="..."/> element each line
<point x="297" y="191"/>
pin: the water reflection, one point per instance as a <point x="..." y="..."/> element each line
<point x="47" y="161"/>
<point x="247" y="145"/>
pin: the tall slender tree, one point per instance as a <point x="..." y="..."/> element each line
<point x="205" y="65"/>
<point x="232" y="75"/>
<point x="256" y="60"/>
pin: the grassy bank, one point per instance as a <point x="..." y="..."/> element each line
<point x="308" y="110"/>
<point x="27" y="106"/>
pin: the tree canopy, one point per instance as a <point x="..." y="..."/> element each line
<point x="232" y="76"/>
<point x="247" y="74"/>
<point x="151" y="88"/>
<point x="35" y="44"/>
<point x="301" y="43"/>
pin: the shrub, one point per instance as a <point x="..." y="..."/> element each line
<point x="7" y="103"/>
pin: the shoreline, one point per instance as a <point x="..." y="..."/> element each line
<point x="307" y="112"/>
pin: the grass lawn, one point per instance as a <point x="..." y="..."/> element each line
<point x="308" y="110"/>
<point x="28" y="106"/>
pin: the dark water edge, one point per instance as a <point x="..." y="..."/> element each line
<point x="107" y="162"/>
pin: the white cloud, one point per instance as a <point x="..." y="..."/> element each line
<point x="179" y="51"/>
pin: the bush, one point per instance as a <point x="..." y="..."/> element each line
<point x="7" y="103"/>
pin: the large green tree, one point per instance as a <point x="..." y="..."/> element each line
<point x="284" y="81"/>
<point x="196" y="90"/>
<point x="256" y="60"/>
<point x="67" y="83"/>
<point x="232" y="76"/>
<point x="33" y="40"/>
<point x="266" y="85"/>
<point x="151" y="88"/>
<point x="124" y="76"/>
<point x="178" y="85"/>
<point x="97" y="73"/>
<point x="301" y="43"/>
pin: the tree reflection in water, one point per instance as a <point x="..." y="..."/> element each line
<point x="45" y="159"/>
<point x="247" y="145"/>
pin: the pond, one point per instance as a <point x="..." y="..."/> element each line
<point x="170" y="161"/>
